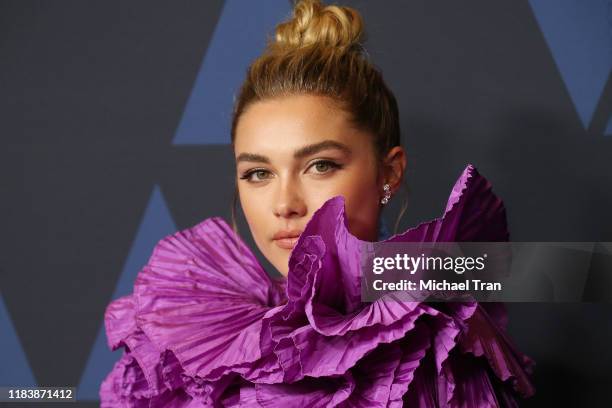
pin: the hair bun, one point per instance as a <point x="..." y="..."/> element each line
<point x="314" y="23"/>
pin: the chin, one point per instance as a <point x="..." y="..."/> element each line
<point x="281" y="263"/>
<point x="282" y="271"/>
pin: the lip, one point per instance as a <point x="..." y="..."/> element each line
<point x="286" y="239"/>
<point x="286" y="243"/>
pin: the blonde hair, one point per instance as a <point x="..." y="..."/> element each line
<point x="319" y="51"/>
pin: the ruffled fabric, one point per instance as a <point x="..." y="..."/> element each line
<point x="207" y="326"/>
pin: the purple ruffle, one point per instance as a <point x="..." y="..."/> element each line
<point x="207" y="326"/>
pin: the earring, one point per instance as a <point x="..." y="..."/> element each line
<point x="387" y="196"/>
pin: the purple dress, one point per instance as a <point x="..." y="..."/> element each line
<point x="207" y="326"/>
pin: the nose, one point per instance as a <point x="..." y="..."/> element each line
<point x="289" y="202"/>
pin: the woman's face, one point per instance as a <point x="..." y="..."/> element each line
<point x="292" y="155"/>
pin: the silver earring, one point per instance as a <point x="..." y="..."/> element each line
<point x="387" y="196"/>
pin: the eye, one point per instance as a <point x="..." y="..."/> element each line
<point x="325" y="166"/>
<point x="260" y="175"/>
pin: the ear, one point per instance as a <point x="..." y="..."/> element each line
<point x="394" y="167"/>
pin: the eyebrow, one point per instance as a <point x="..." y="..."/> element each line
<point x="299" y="153"/>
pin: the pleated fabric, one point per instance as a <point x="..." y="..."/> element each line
<point x="206" y="326"/>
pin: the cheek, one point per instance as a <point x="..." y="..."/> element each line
<point x="252" y="206"/>
<point x="360" y="192"/>
<point x="362" y="211"/>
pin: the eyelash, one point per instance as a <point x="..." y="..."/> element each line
<point x="333" y="166"/>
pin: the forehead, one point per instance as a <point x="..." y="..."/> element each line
<point x="279" y="126"/>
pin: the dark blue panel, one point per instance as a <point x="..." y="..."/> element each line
<point x="579" y="34"/>
<point x="155" y="225"/>
<point x="14" y="367"/>
<point x="239" y="37"/>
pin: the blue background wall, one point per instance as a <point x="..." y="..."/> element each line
<point x="115" y="131"/>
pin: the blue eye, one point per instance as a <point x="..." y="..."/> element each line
<point x="322" y="166"/>
<point x="261" y="175"/>
<point x="325" y="166"/>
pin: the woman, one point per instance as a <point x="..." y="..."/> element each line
<point x="317" y="145"/>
